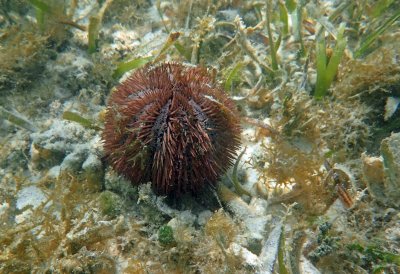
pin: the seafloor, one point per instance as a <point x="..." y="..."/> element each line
<point x="316" y="189"/>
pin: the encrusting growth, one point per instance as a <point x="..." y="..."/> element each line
<point x="170" y="125"/>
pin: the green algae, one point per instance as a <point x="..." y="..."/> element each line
<point x="166" y="235"/>
<point x="372" y="37"/>
<point x="135" y="63"/>
<point x="75" y="117"/>
<point x="16" y="119"/>
<point x="93" y="33"/>
<point x="328" y="67"/>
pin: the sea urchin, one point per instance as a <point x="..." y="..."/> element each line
<point x="170" y="125"/>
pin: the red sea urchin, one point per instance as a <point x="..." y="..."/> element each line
<point x="170" y="125"/>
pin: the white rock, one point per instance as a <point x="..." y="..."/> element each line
<point x="391" y="106"/>
<point x="248" y="257"/>
<point x="30" y="196"/>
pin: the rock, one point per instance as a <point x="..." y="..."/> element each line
<point x="373" y="176"/>
<point x="69" y="148"/>
<point x="390" y="149"/>
<point x="382" y="174"/>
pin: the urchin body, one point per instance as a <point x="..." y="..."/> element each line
<point x="170" y="125"/>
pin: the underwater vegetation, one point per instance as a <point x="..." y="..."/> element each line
<point x="170" y="125"/>
<point x="310" y="88"/>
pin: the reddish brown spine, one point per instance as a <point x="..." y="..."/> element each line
<point x="170" y="125"/>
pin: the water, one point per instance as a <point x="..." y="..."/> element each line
<point x="313" y="187"/>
